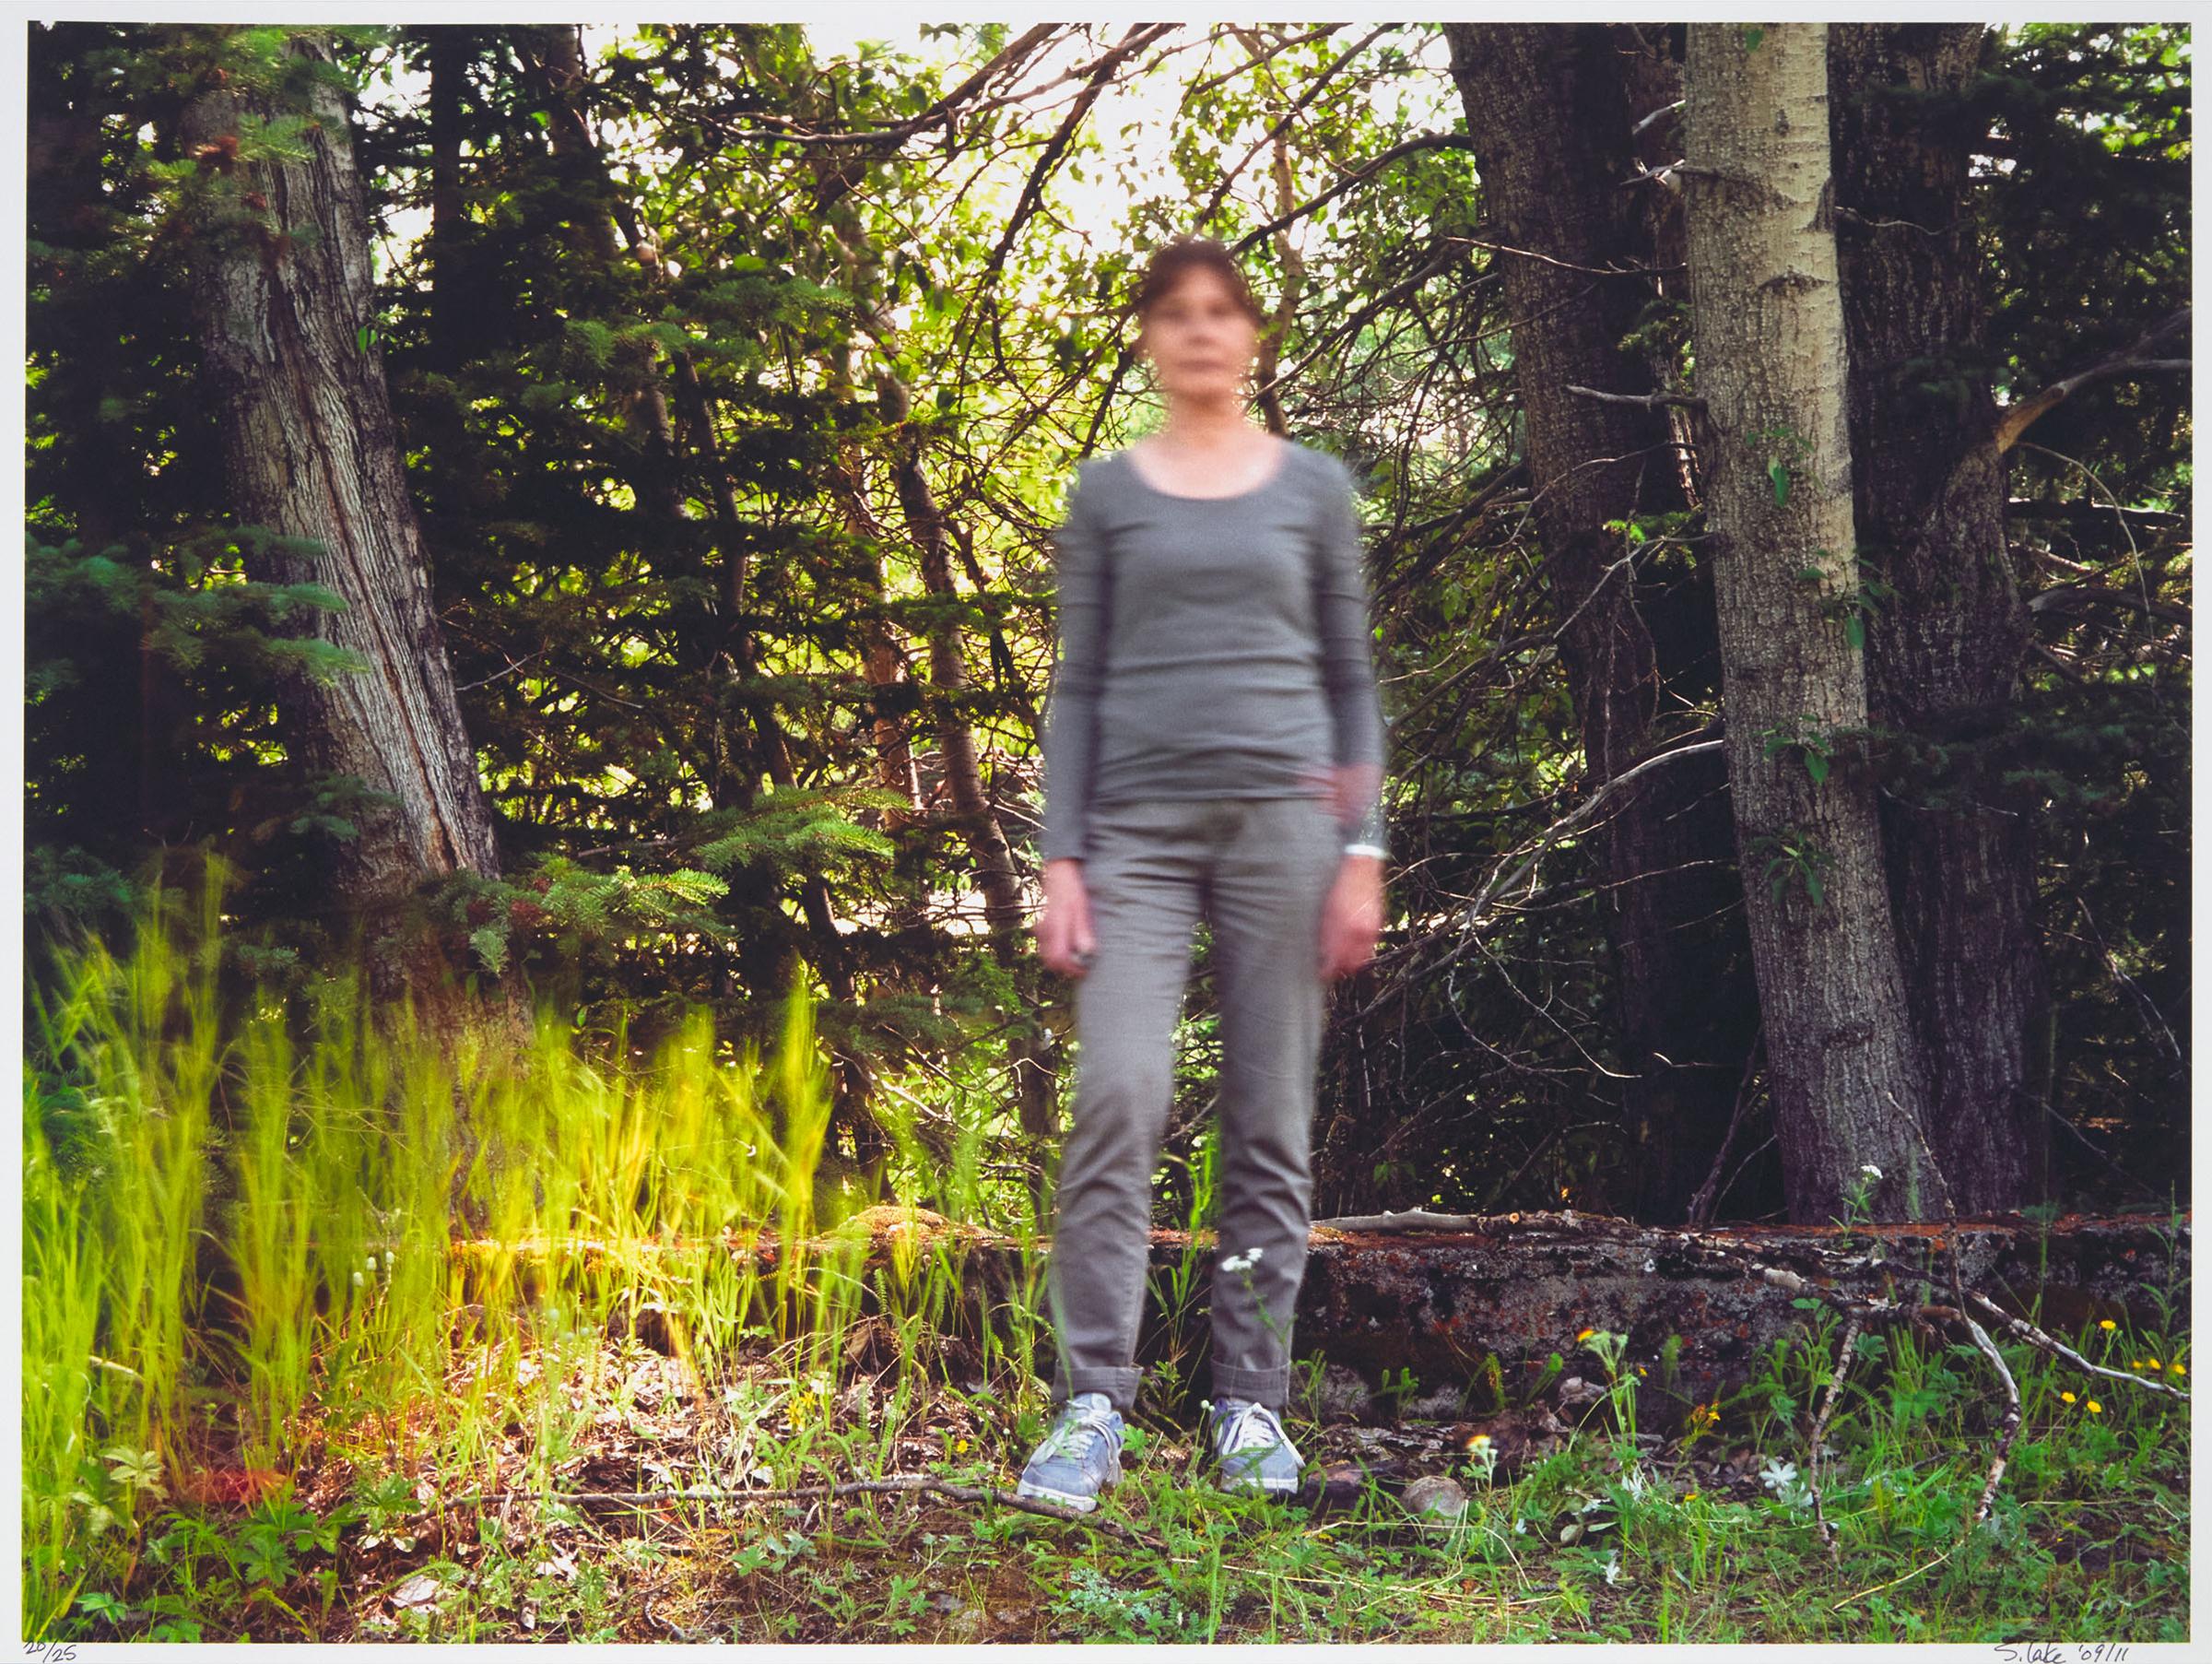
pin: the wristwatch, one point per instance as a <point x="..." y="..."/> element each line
<point x="1364" y="849"/>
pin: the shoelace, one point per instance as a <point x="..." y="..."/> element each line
<point x="1074" y="1420"/>
<point x="1250" y="1427"/>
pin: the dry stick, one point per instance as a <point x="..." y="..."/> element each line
<point x="1474" y="914"/>
<point x="1649" y="401"/>
<point x="1828" y="1405"/>
<point x="2059" y="1349"/>
<point x="1708" y="1194"/>
<point x="904" y="1484"/>
<point x="1892" y="1583"/>
<point x="2012" y="1413"/>
<point x="1951" y="1244"/>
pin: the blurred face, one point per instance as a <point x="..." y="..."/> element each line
<point x="1200" y="340"/>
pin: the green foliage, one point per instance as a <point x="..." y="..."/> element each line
<point x="672" y="659"/>
<point x="1807" y="739"/>
<point x="1786" y="452"/>
<point x="1850" y="606"/>
<point x="1792" y="856"/>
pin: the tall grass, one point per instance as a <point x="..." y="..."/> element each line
<point x="352" y="1240"/>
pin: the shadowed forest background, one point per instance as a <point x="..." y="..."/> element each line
<point x="734" y="456"/>
<point x="548" y="532"/>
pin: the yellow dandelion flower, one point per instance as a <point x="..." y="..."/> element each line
<point x="2067" y="1396"/>
<point x="2095" y="1407"/>
<point x="1689" y="1496"/>
<point x="2152" y="1362"/>
<point x="2106" y="1323"/>
<point x="960" y="1448"/>
<point x="2135" y="1363"/>
<point x="1478" y="1440"/>
<point x="2180" y="1370"/>
<point x="1586" y="1334"/>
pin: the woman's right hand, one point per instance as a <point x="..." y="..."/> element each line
<point x="1063" y="934"/>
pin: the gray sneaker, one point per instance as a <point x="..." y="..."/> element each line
<point x="1253" y="1452"/>
<point x="1081" y="1456"/>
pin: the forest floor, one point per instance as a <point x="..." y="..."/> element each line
<point x="566" y="1531"/>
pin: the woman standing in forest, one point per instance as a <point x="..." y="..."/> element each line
<point x="1214" y="748"/>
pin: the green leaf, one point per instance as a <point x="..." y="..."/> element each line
<point x="1779" y="475"/>
<point x="1817" y="766"/>
<point x="1812" y="885"/>
<point x="1854" y="631"/>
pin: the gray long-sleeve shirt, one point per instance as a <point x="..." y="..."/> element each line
<point x="1209" y="647"/>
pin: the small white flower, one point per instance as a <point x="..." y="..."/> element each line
<point x="357" y="1280"/>
<point x="1613" y="1569"/>
<point x="1871" y="1168"/>
<point x="373" y="1265"/>
<point x="1236" y="1262"/>
<point x="1782" y="1478"/>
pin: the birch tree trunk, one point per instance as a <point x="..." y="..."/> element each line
<point x="281" y="296"/>
<point x="1943" y="656"/>
<point x="1845" y="1078"/>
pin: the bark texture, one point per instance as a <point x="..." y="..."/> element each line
<point x="1944" y="657"/>
<point x="282" y="293"/>
<point x="1847" y="1083"/>
<point x="1548" y="107"/>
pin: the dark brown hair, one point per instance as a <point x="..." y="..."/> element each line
<point x="1170" y="264"/>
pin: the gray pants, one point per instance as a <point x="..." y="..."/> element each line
<point x="1259" y="869"/>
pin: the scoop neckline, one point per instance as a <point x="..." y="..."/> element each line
<point x="1275" y="477"/>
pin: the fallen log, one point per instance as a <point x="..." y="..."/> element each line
<point x="1436" y="1295"/>
<point x="1472" y="1307"/>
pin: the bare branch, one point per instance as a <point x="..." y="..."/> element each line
<point x="1569" y="265"/>
<point x="2018" y="417"/>
<point x="1427" y="141"/>
<point x="1649" y="401"/>
<point x="1477" y="912"/>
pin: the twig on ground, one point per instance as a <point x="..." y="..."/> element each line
<point x="2059" y="1349"/>
<point x="899" y="1484"/>
<point x="2012" y="1417"/>
<point x="1828" y="1405"/>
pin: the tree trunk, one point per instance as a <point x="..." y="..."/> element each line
<point x="281" y="293"/>
<point x="1944" y="655"/>
<point x="1846" y="1077"/>
<point x="1005" y="909"/>
<point x="1547" y="106"/>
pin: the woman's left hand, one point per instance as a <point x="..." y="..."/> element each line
<point x="1352" y="917"/>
